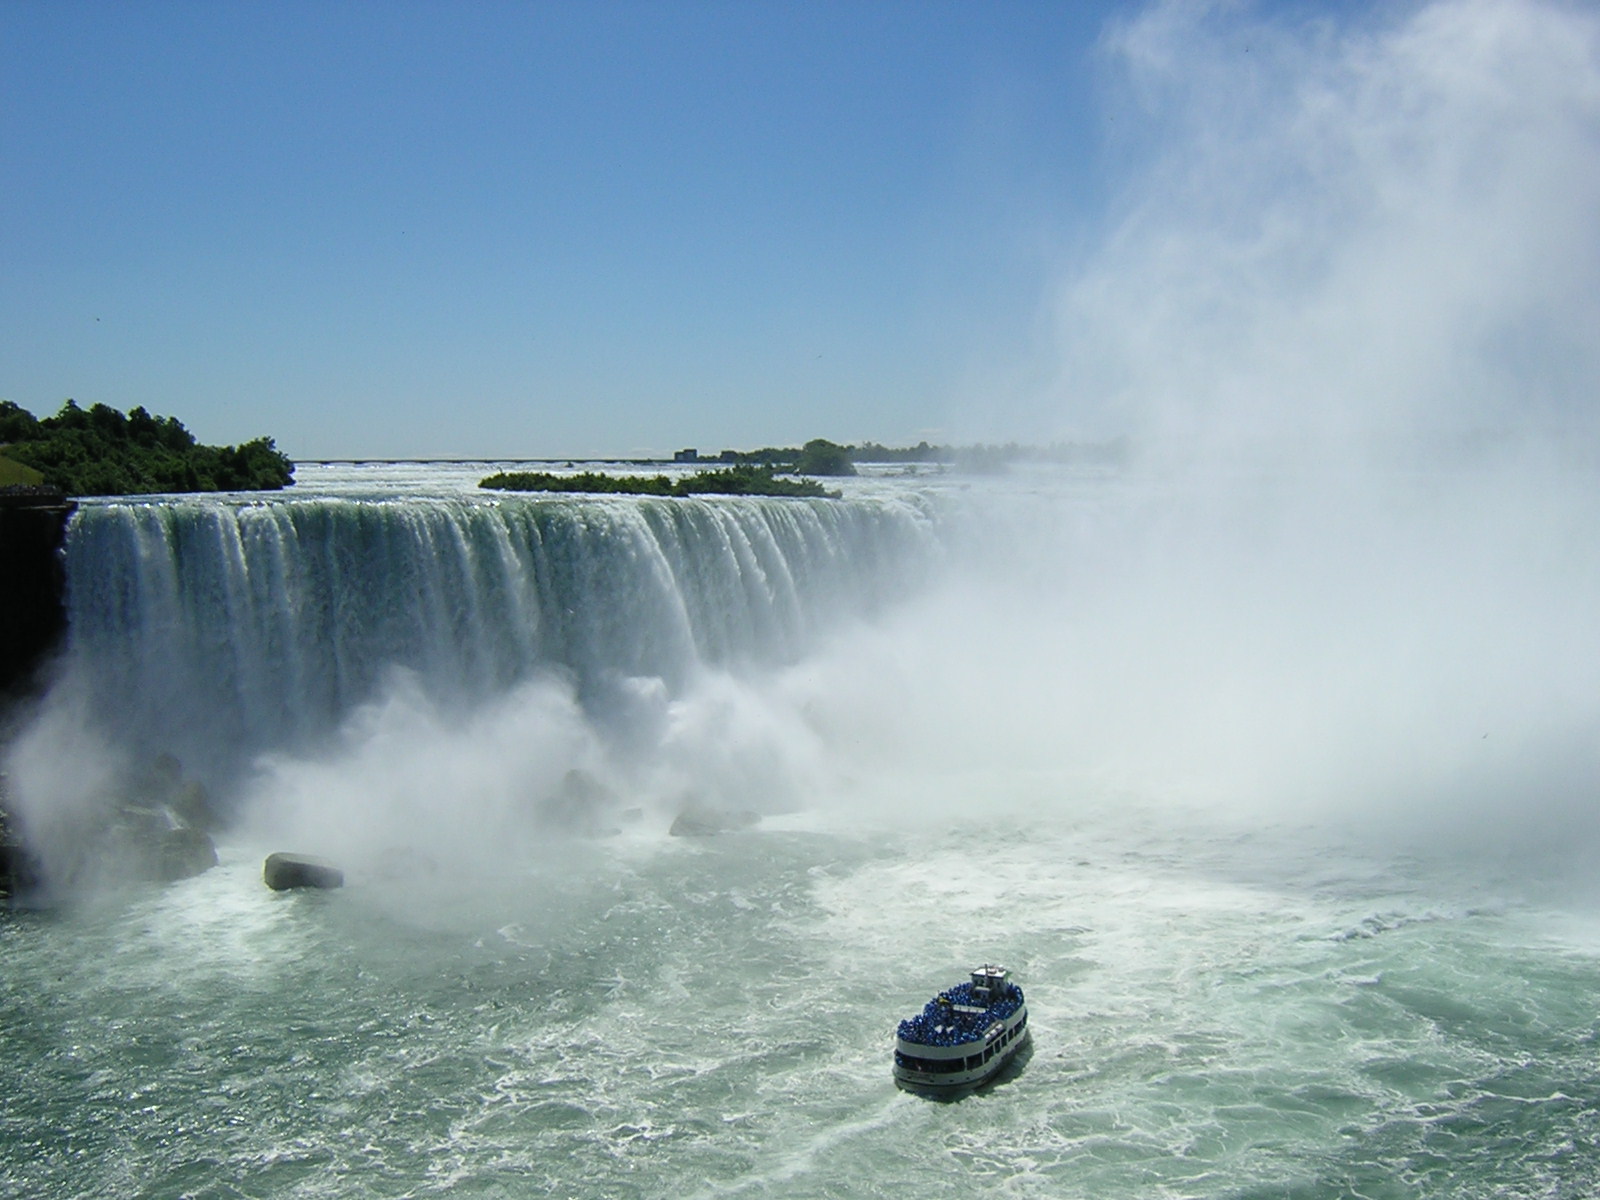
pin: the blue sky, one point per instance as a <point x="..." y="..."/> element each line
<point x="537" y="229"/>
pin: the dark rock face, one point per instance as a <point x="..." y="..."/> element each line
<point x="33" y="615"/>
<point x="162" y="783"/>
<point x="580" y="807"/>
<point x="697" y="821"/>
<point x="185" y="852"/>
<point x="145" y="837"/>
<point x="284" y="871"/>
<point x="18" y="870"/>
<point x="148" y="842"/>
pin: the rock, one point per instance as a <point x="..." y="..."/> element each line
<point x="18" y="871"/>
<point x="150" y="842"/>
<point x="284" y="871"/>
<point x="698" y="821"/>
<point x="579" y="807"/>
<point x="110" y="843"/>
<point x="184" y="852"/>
<point x="163" y="784"/>
<point x="33" y="613"/>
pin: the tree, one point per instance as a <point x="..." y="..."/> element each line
<point x="822" y="457"/>
<point x="101" y="452"/>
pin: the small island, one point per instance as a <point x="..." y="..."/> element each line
<point x="99" y="451"/>
<point x="734" y="481"/>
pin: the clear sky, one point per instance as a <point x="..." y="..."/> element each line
<point x="548" y="229"/>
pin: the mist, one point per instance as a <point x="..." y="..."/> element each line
<point x="1344" y="305"/>
<point x="1376" y="228"/>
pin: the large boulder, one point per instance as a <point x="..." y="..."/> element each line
<point x="580" y="807"/>
<point x="143" y="841"/>
<point x="183" y="852"/>
<point x="113" y="842"/>
<point x="18" y="871"/>
<point x="697" y="820"/>
<point x="162" y="783"/>
<point x="284" y="871"/>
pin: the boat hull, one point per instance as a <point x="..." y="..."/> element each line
<point x="943" y="1070"/>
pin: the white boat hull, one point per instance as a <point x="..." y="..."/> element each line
<point x="962" y="1066"/>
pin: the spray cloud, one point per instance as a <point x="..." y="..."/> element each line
<point x="1381" y="226"/>
<point x="1345" y="306"/>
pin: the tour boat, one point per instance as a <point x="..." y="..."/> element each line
<point x="964" y="1036"/>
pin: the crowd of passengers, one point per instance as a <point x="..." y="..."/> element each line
<point x="939" y="1024"/>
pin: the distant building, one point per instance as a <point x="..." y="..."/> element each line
<point x="689" y="455"/>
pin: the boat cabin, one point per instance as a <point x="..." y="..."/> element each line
<point x="989" y="985"/>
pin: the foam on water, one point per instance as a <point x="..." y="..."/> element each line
<point x="1213" y="1015"/>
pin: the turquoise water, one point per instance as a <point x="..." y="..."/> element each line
<point x="1214" y="1016"/>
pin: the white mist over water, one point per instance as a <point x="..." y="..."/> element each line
<point x="1347" y="306"/>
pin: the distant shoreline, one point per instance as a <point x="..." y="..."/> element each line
<point x="465" y="462"/>
<point x="817" y="457"/>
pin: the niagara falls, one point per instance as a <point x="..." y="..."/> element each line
<point x="1199" y="628"/>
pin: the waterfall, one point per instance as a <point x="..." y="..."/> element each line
<point x="217" y="628"/>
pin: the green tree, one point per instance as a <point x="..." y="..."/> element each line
<point x="822" y="457"/>
<point x="101" y="452"/>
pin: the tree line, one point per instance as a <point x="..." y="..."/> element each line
<point x="99" y="451"/>
<point x="734" y="481"/>
<point x="822" y="457"/>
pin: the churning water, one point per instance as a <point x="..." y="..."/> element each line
<point x="1282" y="820"/>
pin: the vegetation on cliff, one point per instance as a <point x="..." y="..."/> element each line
<point x="14" y="474"/>
<point x="735" y="481"/>
<point x="101" y="452"/>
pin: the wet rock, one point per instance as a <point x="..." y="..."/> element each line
<point x="110" y="843"/>
<point x="184" y="852"/>
<point x="284" y="871"/>
<point x="700" y="821"/>
<point x="579" y="807"/>
<point x="163" y="784"/>
<point x="151" y="842"/>
<point x="18" y="871"/>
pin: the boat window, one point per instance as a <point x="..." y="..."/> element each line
<point x="932" y="1066"/>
